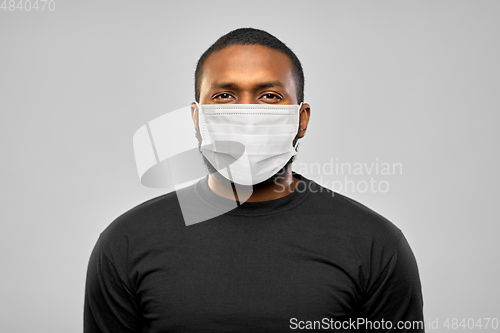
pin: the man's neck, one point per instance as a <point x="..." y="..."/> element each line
<point x="279" y="187"/>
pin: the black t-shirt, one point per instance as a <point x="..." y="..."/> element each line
<point x="313" y="260"/>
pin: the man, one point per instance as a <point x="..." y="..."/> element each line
<point x="292" y="255"/>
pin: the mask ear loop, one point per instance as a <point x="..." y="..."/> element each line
<point x="200" y="129"/>
<point x="298" y="115"/>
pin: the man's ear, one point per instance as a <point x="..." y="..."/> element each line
<point x="304" y="113"/>
<point x="194" y="116"/>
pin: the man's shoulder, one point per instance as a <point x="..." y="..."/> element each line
<point x="345" y="213"/>
<point x="144" y="218"/>
<point x="369" y="219"/>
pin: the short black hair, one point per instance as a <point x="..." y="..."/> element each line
<point x="251" y="36"/>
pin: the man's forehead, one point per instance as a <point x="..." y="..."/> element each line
<point x="231" y="84"/>
<point x="246" y="52"/>
<point x="247" y="57"/>
<point x="248" y="63"/>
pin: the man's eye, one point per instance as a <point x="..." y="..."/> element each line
<point x="271" y="96"/>
<point x="223" y="96"/>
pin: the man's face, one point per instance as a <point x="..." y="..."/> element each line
<point x="247" y="74"/>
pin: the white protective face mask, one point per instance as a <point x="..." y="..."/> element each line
<point x="248" y="143"/>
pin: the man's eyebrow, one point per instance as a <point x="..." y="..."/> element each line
<point x="223" y="85"/>
<point x="270" y="84"/>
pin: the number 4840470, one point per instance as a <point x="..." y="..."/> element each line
<point x="471" y="323"/>
<point x="28" y="5"/>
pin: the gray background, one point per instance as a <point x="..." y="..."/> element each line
<point x="413" y="82"/>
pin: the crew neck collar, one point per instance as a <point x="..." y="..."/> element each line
<point x="291" y="200"/>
